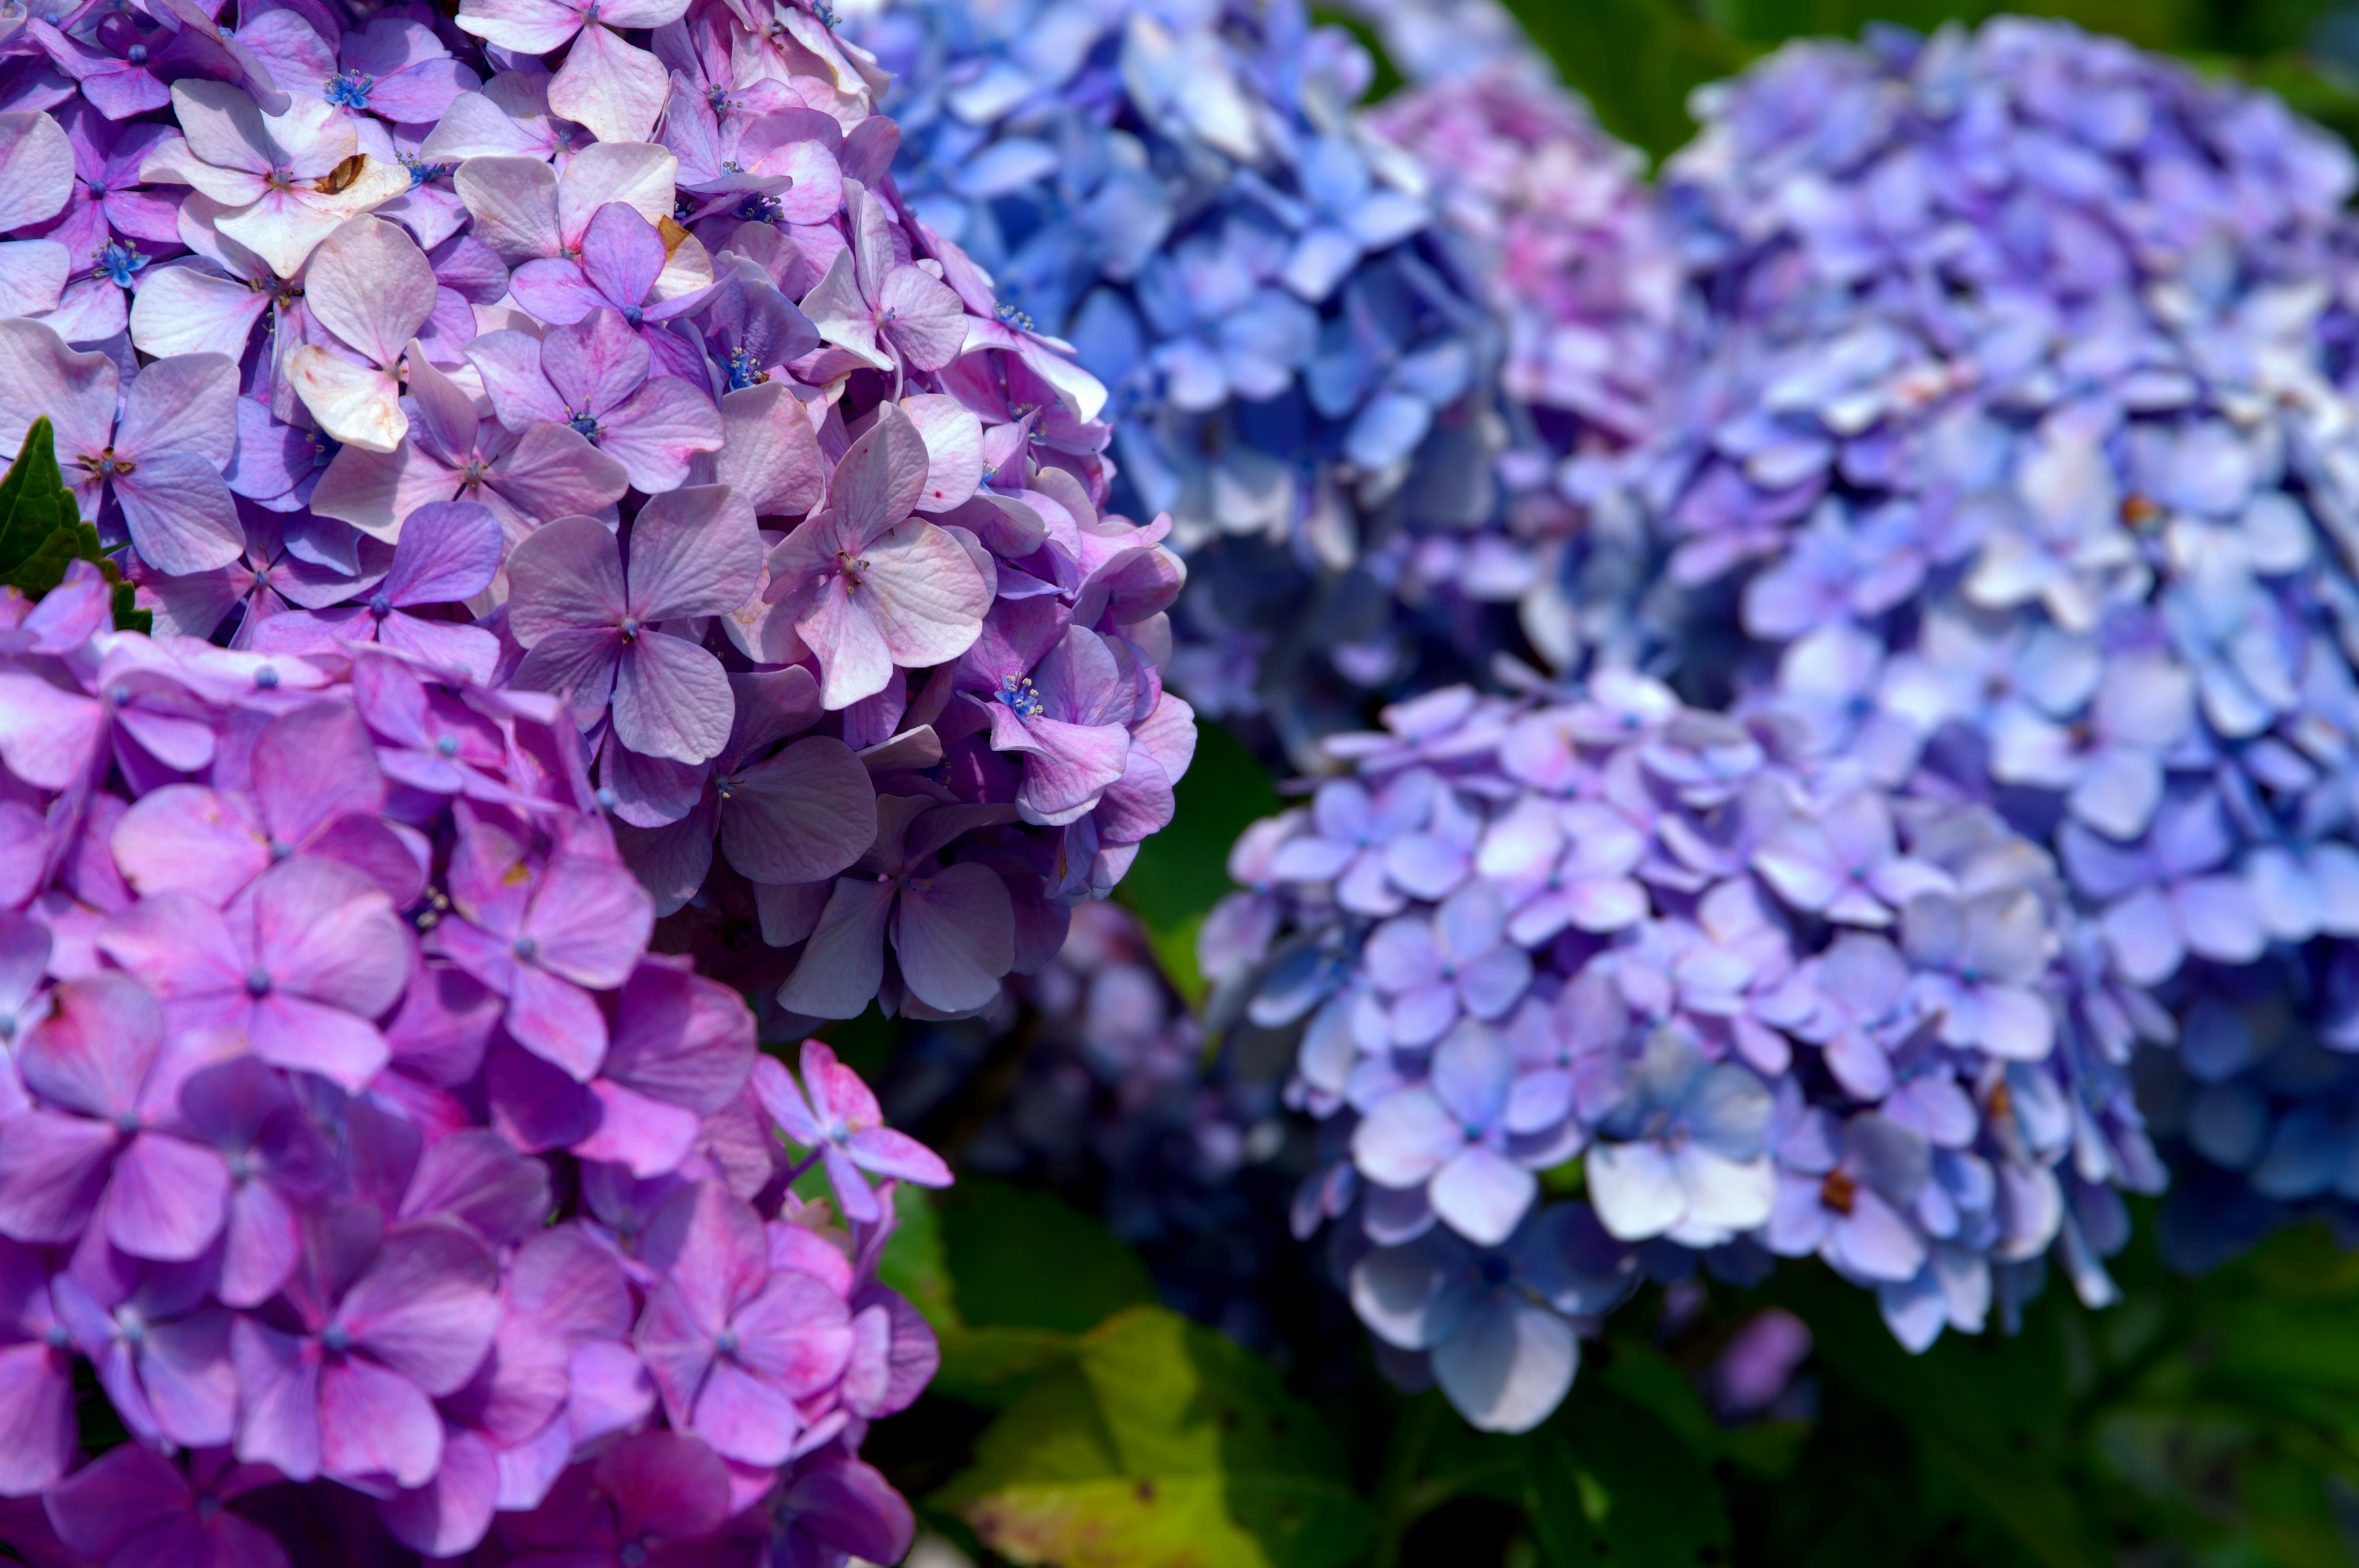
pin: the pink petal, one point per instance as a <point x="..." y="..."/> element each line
<point x="187" y="403"/>
<point x="427" y="1306"/>
<point x="558" y="1022"/>
<point x="882" y="476"/>
<point x="168" y="1198"/>
<point x="770" y="456"/>
<point x="924" y="320"/>
<point x="610" y="86"/>
<point x="746" y="1418"/>
<point x="126" y="1492"/>
<point x="260" y="1245"/>
<point x="711" y="1246"/>
<point x="924" y="589"/>
<point x="622" y="253"/>
<point x="278" y="1413"/>
<point x="589" y="921"/>
<point x="676" y="1346"/>
<point x="325" y="931"/>
<point x="181" y="513"/>
<point x="694" y="551"/>
<point x="598" y="363"/>
<point x="682" y="1038"/>
<point x="568" y="575"/>
<point x="450" y="1514"/>
<point x="302" y="1035"/>
<point x="658" y="429"/>
<point x="796" y="1334"/>
<point x="477" y="1177"/>
<point x="311" y="765"/>
<point x="370" y="284"/>
<point x="191" y="840"/>
<point x="648" y="1137"/>
<point x="783" y="1099"/>
<point x="843" y="632"/>
<point x="896" y="1155"/>
<point x="447" y="552"/>
<point x="555" y="290"/>
<point x="536" y="1104"/>
<point x="664" y="1484"/>
<point x="375" y="1426"/>
<point x="94" y="1052"/>
<point x="37" y="1392"/>
<point x="671" y="699"/>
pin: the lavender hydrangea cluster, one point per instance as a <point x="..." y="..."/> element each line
<point x="1580" y="266"/>
<point x="2024" y="469"/>
<point x="1299" y="367"/>
<point x="1747" y="1000"/>
<point x="355" y="1144"/>
<point x="810" y="538"/>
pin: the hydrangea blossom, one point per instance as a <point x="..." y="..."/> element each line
<point x="1297" y="360"/>
<point x="1581" y="266"/>
<point x="295" y="290"/>
<point x="1526" y="937"/>
<point x="280" y="1162"/>
<point x="2022" y="468"/>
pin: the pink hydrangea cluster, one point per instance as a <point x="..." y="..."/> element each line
<point x="792" y="517"/>
<point x="355" y="1144"/>
<point x="1584" y="273"/>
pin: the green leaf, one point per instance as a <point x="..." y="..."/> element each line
<point x="1028" y="1259"/>
<point x="1608" y="1481"/>
<point x="1183" y="871"/>
<point x="989" y="1367"/>
<point x="1161" y="1442"/>
<point x="913" y="1261"/>
<point x="42" y="533"/>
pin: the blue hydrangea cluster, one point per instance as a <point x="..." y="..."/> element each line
<point x="2023" y="471"/>
<point x="1301" y="368"/>
<point x="1744" y="998"/>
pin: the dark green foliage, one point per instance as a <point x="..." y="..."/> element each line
<point x="42" y="533"/>
<point x="1637" y="60"/>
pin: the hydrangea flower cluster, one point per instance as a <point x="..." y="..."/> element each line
<point x="767" y="464"/>
<point x="1300" y="370"/>
<point x="355" y="1144"/>
<point x="1580" y="266"/>
<point x="1751" y="1000"/>
<point x="2025" y="469"/>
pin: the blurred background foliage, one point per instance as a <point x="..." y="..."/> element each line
<point x="2211" y="1423"/>
<point x="1637" y="60"/>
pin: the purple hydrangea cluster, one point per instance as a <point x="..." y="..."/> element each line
<point x="1300" y="366"/>
<point x="1746" y="999"/>
<point x="810" y="538"/>
<point x="1581" y="267"/>
<point x="2023" y="469"/>
<point x="355" y="1144"/>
